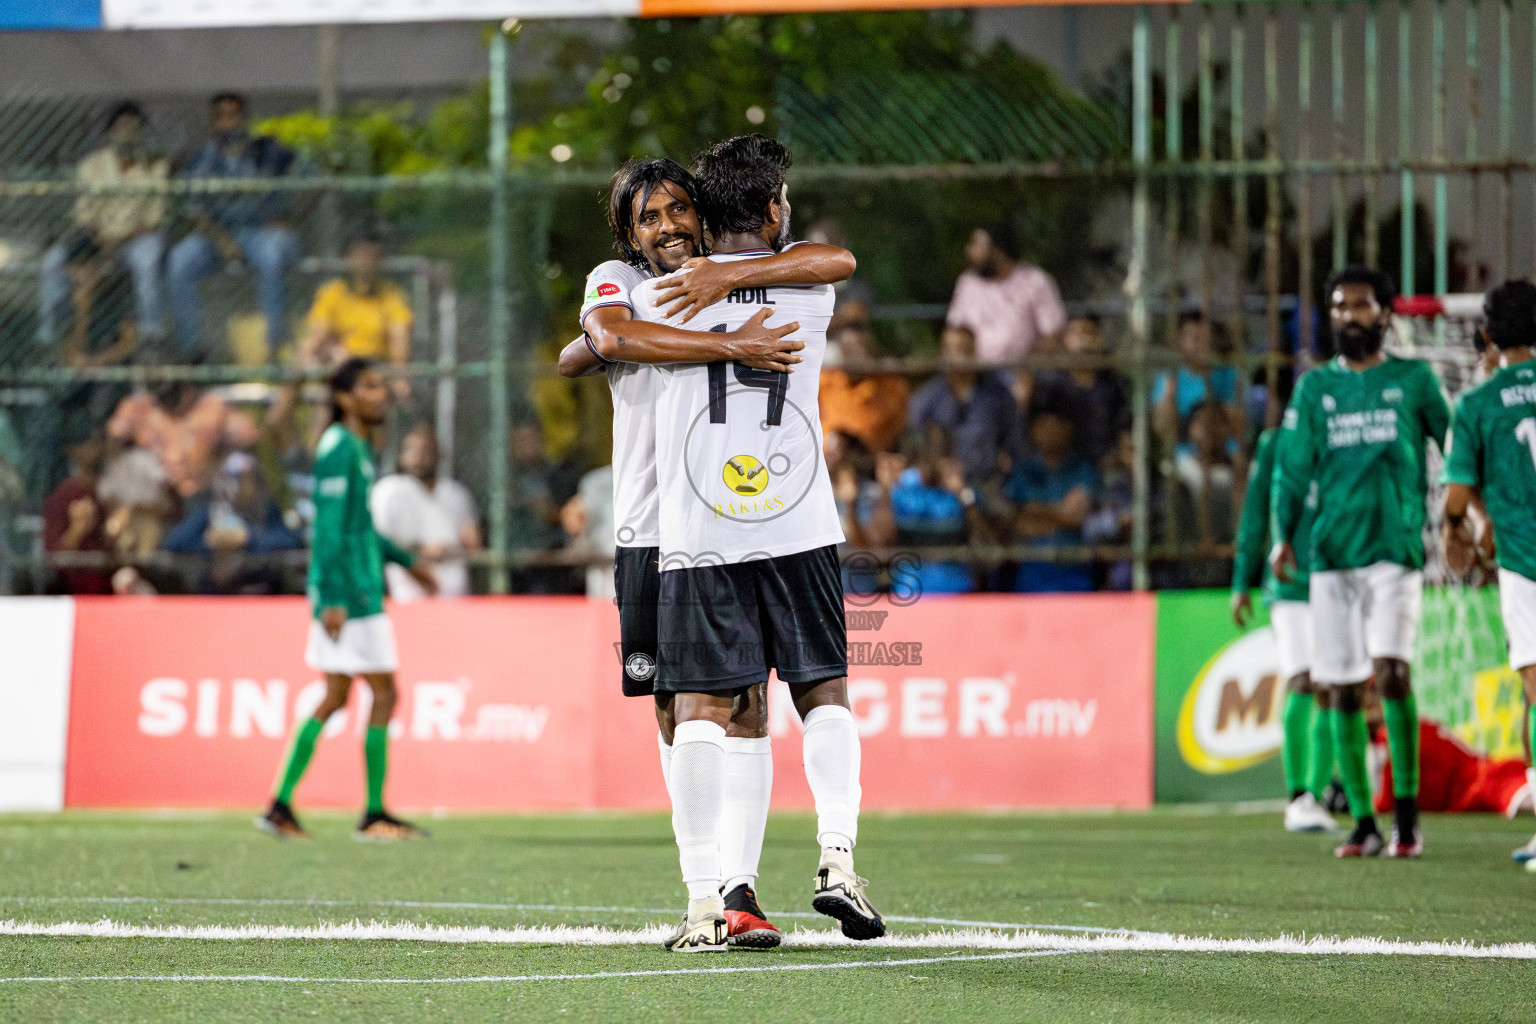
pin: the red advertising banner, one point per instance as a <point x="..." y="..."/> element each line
<point x="513" y="704"/>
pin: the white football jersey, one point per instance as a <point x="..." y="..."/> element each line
<point x="738" y="451"/>
<point x="635" y="388"/>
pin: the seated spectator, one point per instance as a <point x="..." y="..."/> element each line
<point x="1098" y="398"/>
<point x="1053" y="489"/>
<point x="186" y="434"/>
<point x="234" y="227"/>
<point x="1010" y="306"/>
<point x="134" y="495"/>
<point x="362" y="314"/>
<point x="587" y="520"/>
<point x="976" y="409"/>
<point x="1176" y="394"/>
<point x="1113" y="515"/>
<point x="235" y="518"/>
<point x="73" y="519"/>
<point x="126" y="226"/>
<point x="1204" y="496"/>
<point x="432" y="516"/>
<point x="930" y="505"/>
<point x="869" y="406"/>
<point x="539" y="489"/>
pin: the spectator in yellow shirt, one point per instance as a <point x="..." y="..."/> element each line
<point x="361" y="314"/>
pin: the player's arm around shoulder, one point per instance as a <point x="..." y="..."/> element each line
<point x="620" y="335"/>
<point x="703" y="282"/>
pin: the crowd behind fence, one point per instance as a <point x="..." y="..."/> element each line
<point x="166" y="320"/>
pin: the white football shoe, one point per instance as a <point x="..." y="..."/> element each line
<point x="704" y="929"/>
<point x="1305" y="814"/>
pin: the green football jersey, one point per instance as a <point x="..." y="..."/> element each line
<point x="1250" y="565"/>
<point x="1360" y="436"/>
<point x="347" y="555"/>
<point x="1493" y="448"/>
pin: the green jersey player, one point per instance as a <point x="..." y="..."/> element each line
<point x="1493" y="456"/>
<point x="1306" y="745"/>
<point x="350" y="635"/>
<point x="1356" y="429"/>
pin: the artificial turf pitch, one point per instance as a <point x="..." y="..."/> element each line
<point x="1227" y="876"/>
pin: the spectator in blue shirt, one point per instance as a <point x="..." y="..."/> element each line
<point x="975" y="408"/>
<point x="234" y="227"/>
<point x="1053" y="489"/>
<point x="1196" y="382"/>
<point x="930" y="504"/>
<point x="234" y="517"/>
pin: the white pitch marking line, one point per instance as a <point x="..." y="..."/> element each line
<point x="1122" y="942"/>
<point x="551" y="907"/>
<point x="491" y="979"/>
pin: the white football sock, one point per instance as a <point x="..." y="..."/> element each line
<point x="748" y="790"/>
<point x="666" y="759"/>
<point x="697" y="786"/>
<point x="830" y="748"/>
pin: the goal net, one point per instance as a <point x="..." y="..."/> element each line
<point x="1460" y="670"/>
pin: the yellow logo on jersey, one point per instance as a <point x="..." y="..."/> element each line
<point x="745" y="475"/>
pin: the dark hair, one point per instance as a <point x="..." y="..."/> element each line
<point x="127" y="108"/>
<point x="1192" y="316"/>
<point x="1051" y="401"/>
<point x="1380" y="284"/>
<point x="365" y="235"/>
<point x="1088" y="318"/>
<point x="738" y="179"/>
<point x="343" y="381"/>
<point x="82" y="248"/>
<point x="1509" y="311"/>
<point x="1001" y="233"/>
<point x="642" y="178"/>
<point x="230" y="97"/>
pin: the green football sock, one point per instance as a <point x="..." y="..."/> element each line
<point x="1295" y="741"/>
<point x="376" y="755"/>
<point x="1350" y="739"/>
<point x="299" y="753"/>
<point x="1402" y="718"/>
<point x="1321" y="767"/>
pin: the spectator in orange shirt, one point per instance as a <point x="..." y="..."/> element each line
<point x="869" y="406"/>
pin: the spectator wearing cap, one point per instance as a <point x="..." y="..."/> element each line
<point x="233" y="519"/>
<point x="869" y="406"/>
<point x="428" y="514"/>
<point x="1010" y="306"/>
<point x="1097" y="397"/>
<point x="974" y="407"/>
<point x="121" y="208"/>
<point x="1053" y="490"/>
<point x="234" y="227"/>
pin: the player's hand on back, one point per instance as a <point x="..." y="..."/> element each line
<point x="1242" y="608"/>
<point x="761" y="347"/>
<point x="698" y="285"/>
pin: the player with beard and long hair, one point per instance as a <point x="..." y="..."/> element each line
<point x="1356" y="428"/>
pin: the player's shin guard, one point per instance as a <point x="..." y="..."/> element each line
<point x="299" y="753"/>
<point x="1402" y="719"/>
<point x="748" y="790"/>
<point x="1320" y="769"/>
<point x="376" y="759"/>
<point x="830" y="748"/>
<point x="1350" y="739"/>
<point x="1295" y="741"/>
<point x="698" y="798"/>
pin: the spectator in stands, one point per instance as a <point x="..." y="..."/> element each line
<point x="975" y="408"/>
<point x="361" y="314"/>
<point x="127" y="226"/>
<point x="234" y="227"/>
<point x="930" y="504"/>
<point x="134" y="494"/>
<point x="1009" y="305"/>
<point x="73" y="519"/>
<point x="234" y="522"/>
<point x="1053" y="490"/>
<point x="430" y="515"/>
<point x="1098" y="397"/>
<point x="1114" y="510"/>
<point x="1204" y="496"/>
<point x="587" y="520"/>
<point x="539" y="489"/>
<point x="869" y="406"/>
<point x="1196" y="381"/>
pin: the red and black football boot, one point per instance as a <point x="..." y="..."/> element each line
<point x="750" y="928"/>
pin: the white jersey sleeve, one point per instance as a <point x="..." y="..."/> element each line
<point x="739" y="451"/>
<point x="610" y="284"/>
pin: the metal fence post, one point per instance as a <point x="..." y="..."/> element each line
<point x="1141" y="147"/>
<point x="500" y="315"/>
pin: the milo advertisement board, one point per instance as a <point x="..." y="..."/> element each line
<point x="1219" y="695"/>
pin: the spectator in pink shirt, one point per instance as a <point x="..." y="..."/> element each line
<point x="1009" y="305"/>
